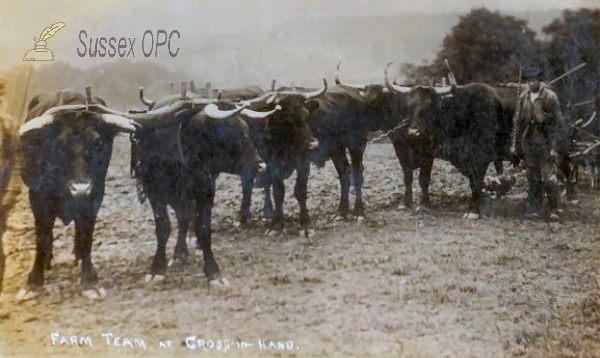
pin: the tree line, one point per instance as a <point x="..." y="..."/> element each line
<point x="491" y="47"/>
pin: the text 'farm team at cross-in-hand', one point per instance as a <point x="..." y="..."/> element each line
<point x="181" y="143"/>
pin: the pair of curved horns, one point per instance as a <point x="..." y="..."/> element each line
<point x="307" y="95"/>
<point x="127" y="122"/>
<point x="338" y="82"/>
<point x="392" y="87"/>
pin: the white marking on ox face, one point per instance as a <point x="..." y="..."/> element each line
<point x="313" y="145"/>
<point x="80" y="189"/>
<point x="413" y="132"/>
<point x="262" y="166"/>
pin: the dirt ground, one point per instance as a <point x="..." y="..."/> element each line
<point x="399" y="284"/>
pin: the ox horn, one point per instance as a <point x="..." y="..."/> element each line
<point x="307" y="95"/>
<point x="451" y="77"/>
<point x="113" y="119"/>
<point x="263" y="98"/>
<point x="213" y="111"/>
<point x="338" y="82"/>
<point x="443" y="90"/>
<point x="392" y="87"/>
<point x="36" y="123"/>
<point x="259" y="115"/>
<point x="317" y="93"/>
<point x="144" y="100"/>
<point x="162" y="115"/>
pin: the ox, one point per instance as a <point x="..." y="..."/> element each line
<point x="247" y="169"/>
<point x="66" y="143"/>
<point x="177" y="165"/>
<point x="285" y="142"/>
<point x="466" y="124"/>
<point x="388" y="111"/>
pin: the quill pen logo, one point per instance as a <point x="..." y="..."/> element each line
<point x="40" y="52"/>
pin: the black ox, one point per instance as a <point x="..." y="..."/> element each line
<point x="465" y="125"/>
<point x="285" y="141"/>
<point x="66" y="143"/>
<point x="177" y="164"/>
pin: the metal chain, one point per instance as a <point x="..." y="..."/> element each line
<point x="379" y="137"/>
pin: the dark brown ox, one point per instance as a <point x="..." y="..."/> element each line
<point x="66" y="143"/>
<point x="464" y="124"/>
<point x="177" y="165"/>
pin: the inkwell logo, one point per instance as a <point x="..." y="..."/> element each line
<point x="40" y="52"/>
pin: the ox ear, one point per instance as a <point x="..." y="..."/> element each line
<point x="312" y="105"/>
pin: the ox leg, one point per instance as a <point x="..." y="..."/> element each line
<point x="476" y="183"/>
<point x="338" y="156"/>
<point x="183" y="214"/>
<point x="44" y="217"/>
<point x="403" y="155"/>
<point x="569" y="174"/>
<point x="268" y="203"/>
<point x="498" y="166"/>
<point x="356" y="156"/>
<point x="247" y="185"/>
<point x="204" y="204"/>
<point x="163" y="230"/>
<point x="425" y="180"/>
<point x="278" y="197"/>
<point x="301" y="192"/>
<point x="84" y="232"/>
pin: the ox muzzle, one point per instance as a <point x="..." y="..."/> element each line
<point x="80" y="189"/>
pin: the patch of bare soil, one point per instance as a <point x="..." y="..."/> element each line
<point x="400" y="284"/>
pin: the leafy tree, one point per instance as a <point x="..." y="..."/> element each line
<point x="574" y="39"/>
<point x="487" y="47"/>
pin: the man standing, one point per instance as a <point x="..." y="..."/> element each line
<point x="539" y="115"/>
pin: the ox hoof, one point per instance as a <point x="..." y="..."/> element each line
<point x="221" y="282"/>
<point x="273" y="233"/>
<point x="338" y="218"/>
<point x="471" y="216"/>
<point x="307" y="233"/>
<point x="154" y="278"/>
<point x="360" y="218"/>
<point x="26" y="295"/>
<point x="98" y="293"/>
<point x="177" y="262"/>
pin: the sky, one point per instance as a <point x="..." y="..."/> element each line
<point x="240" y="22"/>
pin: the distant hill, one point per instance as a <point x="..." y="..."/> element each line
<point x="302" y="51"/>
<point x="116" y="82"/>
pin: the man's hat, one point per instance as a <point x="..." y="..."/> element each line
<point x="531" y="73"/>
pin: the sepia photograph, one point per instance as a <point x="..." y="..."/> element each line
<point x="300" y="178"/>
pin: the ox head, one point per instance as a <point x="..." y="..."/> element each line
<point x="70" y="147"/>
<point x="291" y="124"/>
<point x="385" y="109"/>
<point x="424" y="103"/>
